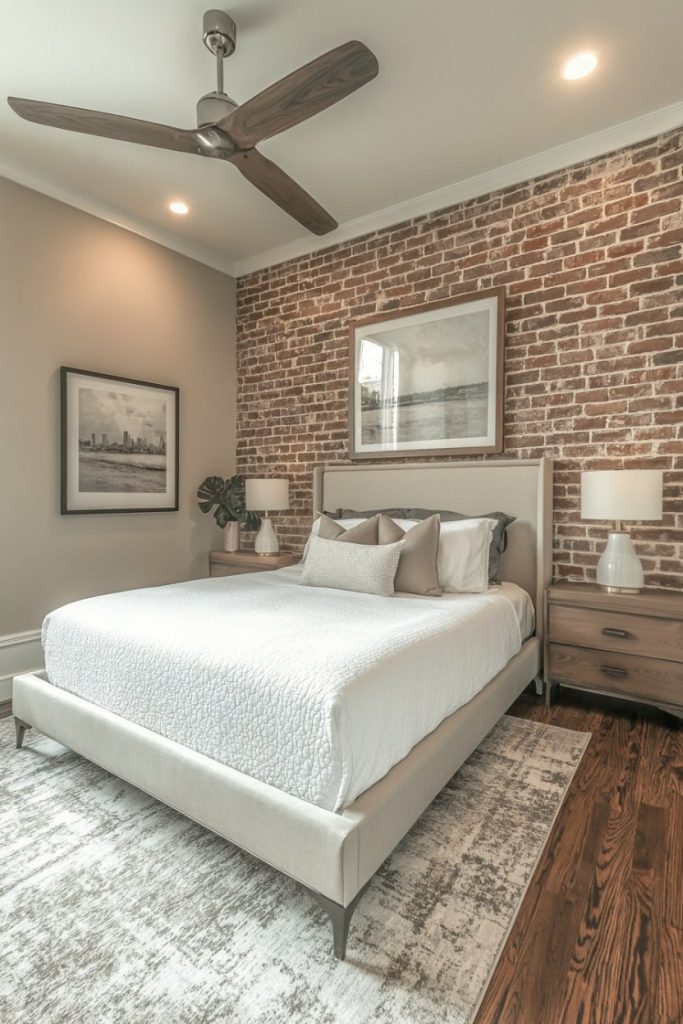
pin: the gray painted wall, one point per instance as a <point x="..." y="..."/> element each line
<point x="77" y="291"/>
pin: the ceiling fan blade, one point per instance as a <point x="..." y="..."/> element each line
<point x="302" y="94"/>
<point x="108" y="126"/>
<point x="283" y="190"/>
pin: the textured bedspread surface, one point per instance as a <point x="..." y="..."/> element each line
<point x="318" y="692"/>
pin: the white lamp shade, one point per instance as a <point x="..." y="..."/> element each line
<point x="629" y="494"/>
<point x="267" y="495"/>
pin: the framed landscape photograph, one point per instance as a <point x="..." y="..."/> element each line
<point x="119" y="444"/>
<point x="429" y="381"/>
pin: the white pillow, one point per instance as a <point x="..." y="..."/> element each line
<point x="367" y="568"/>
<point x="405" y="524"/>
<point x="463" y="559"/>
<point x="347" y="524"/>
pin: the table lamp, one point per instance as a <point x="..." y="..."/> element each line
<point x="267" y="495"/>
<point x="621" y="494"/>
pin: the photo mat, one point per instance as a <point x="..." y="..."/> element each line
<point x="119" y="444"/>
<point x="429" y="380"/>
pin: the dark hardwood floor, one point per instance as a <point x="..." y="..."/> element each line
<point x="599" y="936"/>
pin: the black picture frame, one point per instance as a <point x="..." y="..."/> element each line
<point x="99" y="500"/>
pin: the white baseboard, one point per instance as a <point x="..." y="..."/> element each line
<point x="19" y="652"/>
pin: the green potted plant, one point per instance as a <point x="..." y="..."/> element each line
<point x="226" y="500"/>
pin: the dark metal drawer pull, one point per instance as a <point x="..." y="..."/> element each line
<point x="610" y="670"/>
<point x="621" y="633"/>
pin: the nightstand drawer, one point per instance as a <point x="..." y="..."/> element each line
<point x="648" y="678"/>
<point x="238" y="563"/>
<point x="615" y="631"/>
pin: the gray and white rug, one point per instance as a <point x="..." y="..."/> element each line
<point x="115" y="909"/>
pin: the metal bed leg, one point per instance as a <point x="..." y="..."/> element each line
<point x="340" y="917"/>
<point x="20" y="731"/>
<point x="538" y="682"/>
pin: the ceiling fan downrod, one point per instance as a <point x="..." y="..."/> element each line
<point x="219" y="36"/>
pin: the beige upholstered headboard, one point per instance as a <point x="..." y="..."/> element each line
<point x="521" y="487"/>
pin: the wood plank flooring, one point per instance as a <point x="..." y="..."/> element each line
<point x="599" y="937"/>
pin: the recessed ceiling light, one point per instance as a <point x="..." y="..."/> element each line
<point x="179" y="207"/>
<point x="580" y="65"/>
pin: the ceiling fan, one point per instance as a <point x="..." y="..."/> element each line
<point x="228" y="131"/>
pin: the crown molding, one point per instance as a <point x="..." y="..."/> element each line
<point x="589" y="146"/>
<point x="112" y="215"/>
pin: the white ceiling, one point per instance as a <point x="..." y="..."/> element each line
<point x="466" y="88"/>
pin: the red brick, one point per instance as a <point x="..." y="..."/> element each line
<point x="595" y="385"/>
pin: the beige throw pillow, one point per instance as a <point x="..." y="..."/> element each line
<point x="418" y="565"/>
<point x="363" y="533"/>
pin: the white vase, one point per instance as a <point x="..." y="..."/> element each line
<point x="231" y="537"/>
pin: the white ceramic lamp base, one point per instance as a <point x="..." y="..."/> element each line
<point x="619" y="568"/>
<point x="266" y="542"/>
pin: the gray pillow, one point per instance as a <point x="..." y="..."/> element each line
<point x="417" y="567"/>
<point x="366" y="568"/>
<point x="498" y="537"/>
<point x="393" y="513"/>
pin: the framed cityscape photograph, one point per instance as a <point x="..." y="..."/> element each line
<point x="119" y="444"/>
<point x="429" y="381"/>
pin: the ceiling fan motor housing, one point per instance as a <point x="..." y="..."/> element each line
<point x="213" y="107"/>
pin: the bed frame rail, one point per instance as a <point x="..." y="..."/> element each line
<point x="334" y="856"/>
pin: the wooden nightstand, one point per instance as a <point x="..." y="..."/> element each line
<point x="234" y="563"/>
<point x="625" y="645"/>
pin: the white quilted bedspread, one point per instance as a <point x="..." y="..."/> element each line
<point x="317" y="692"/>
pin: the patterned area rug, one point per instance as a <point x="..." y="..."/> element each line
<point x="115" y="909"/>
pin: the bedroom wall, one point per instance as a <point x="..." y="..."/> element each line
<point x="77" y="291"/>
<point x="591" y="263"/>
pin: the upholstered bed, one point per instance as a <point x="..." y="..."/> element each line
<point x="298" y="772"/>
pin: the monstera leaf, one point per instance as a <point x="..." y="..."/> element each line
<point x="210" y="493"/>
<point x="251" y="520"/>
<point x="225" y="498"/>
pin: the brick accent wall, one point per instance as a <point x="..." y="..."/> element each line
<point x="591" y="261"/>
